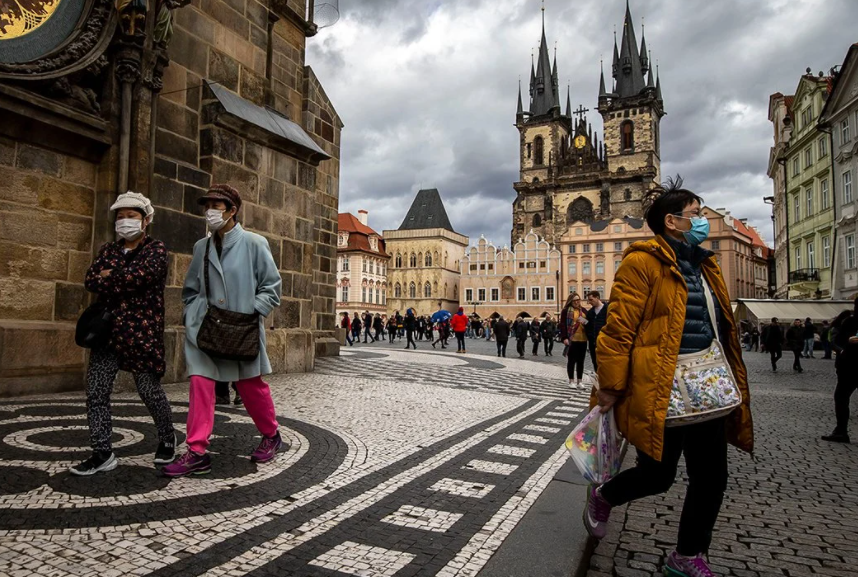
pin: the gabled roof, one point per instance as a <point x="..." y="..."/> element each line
<point x="427" y="211"/>
<point x="359" y="235"/>
<point x="837" y="82"/>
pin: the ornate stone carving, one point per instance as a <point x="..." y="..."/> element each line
<point x="581" y="210"/>
<point x="82" y="49"/>
<point x="605" y="201"/>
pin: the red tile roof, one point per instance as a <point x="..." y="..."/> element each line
<point x="359" y="236"/>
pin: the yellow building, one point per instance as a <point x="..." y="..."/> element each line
<point x="425" y="257"/>
<point x="523" y="281"/>
<point x="567" y="173"/>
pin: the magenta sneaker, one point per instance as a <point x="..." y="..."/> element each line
<point x="596" y="513"/>
<point x="267" y="449"/>
<point x="188" y="464"/>
<point x="679" y="566"/>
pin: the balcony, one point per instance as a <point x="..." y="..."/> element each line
<point x="804" y="275"/>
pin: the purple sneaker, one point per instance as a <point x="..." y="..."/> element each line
<point x="188" y="464"/>
<point x="267" y="449"/>
<point x="679" y="566"/>
<point x="596" y="513"/>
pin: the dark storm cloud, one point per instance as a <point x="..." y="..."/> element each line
<point x="427" y="90"/>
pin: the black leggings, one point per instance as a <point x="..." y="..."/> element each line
<point x="410" y="334"/>
<point x="846" y="385"/>
<point x="705" y="449"/>
<point x="575" y="359"/>
<point x="460" y="340"/>
<point x="502" y="348"/>
<point x="103" y="366"/>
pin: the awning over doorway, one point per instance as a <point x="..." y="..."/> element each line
<point x="759" y="310"/>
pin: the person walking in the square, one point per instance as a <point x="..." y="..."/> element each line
<point x="378" y="327"/>
<point x="410" y="328"/>
<point x="846" y="366"/>
<point x="233" y="269"/>
<point x="795" y="341"/>
<point x="501" y="331"/>
<point x="367" y="325"/>
<point x="535" y="336"/>
<point x="346" y="324"/>
<point x="659" y="310"/>
<point x="573" y="322"/>
<point x="809" y="338"/>
<point x="129" y="276"/>
<point x="773" y="339"/>
<point x="460" y="324"/>
<point x="356" y="327"/>
<point x="597" y="316"/>
<point x="548" y="330"/>
<point x="521" y="329"/>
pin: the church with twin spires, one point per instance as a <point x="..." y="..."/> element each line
<point x="569" y="174"/>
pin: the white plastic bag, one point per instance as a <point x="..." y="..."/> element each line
<point x="596" y="447"/>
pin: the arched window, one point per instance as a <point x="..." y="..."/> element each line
<point x="427" y="290"/>
<point x="397" y="291"/>
<point x="581" y="210"/>
<point x="428" y="261"/>
<point x="627" y="133"/>
<point x="398" y="260"/>
<point x="455" y="292"/>
<point x="419" y="259"/>
<point x="412" y="291"/>
<point x="435" y="288"/>
<point x="537" y="220"/>
<point x="412" y="261"/>
<point x="539" y="152"/>
<point x="529" y="151"/>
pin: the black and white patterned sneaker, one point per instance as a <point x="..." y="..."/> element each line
<point x="97" y="463"/>
<point x="166" y="452"/>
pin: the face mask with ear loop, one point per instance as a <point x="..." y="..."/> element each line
<point x="214" y="218"/>
<point x="699" y="230"/>
<point x="128" y="228"/>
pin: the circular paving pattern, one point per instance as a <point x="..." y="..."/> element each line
<point x="38" y="443"/>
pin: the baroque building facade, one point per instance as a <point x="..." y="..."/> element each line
<point x="426" y="253"/>
<point x="522" y="281"/>
<point x="568" y="174"/>
<point x="809" y="193"/>
<point x="361" y="266"/>
<point x="164" y="98"/>
<point x="840" y="119"/>
<point x="780" y="115"/>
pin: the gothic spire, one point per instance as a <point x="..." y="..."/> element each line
<point x="650" y="83"/>
<point x="602" y="92"/>
<point x="615" y="67"/>
<point x="520" y="112"/>
<point x="630" y="77"/>
<point x="658" y="86"/>
<point x="545" y="91"/>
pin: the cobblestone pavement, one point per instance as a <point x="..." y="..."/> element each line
<point x="793" y="511"/>
<point x="405" y="463"/>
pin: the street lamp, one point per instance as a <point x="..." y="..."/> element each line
<point x="773" y="269"/>
<point x="476" y="304"/>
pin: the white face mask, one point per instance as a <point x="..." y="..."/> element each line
<point x="128" y="228"/>
<point x="214" y="218"/>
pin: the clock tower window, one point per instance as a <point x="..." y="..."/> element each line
<point x="539" y="152"/>
<point x="627" y="134"/>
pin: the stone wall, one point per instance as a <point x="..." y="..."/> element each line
<point x="46" y="221"/>
<point x="60" y="177"/>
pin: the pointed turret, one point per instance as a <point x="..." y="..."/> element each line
<point x="658" y="86"/>
<point x="650" y="83"/>
<point x="519" y="113"/>
<point x="615" y="67"/>
<point x="644" y="52"/>
<point x="603" y="94"/>
<point x="630" y="78"/>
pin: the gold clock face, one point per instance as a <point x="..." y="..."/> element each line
<point x="21" y="17"/>
<point x="580" y="141"/>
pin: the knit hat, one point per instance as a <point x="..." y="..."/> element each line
<point x="222" y="192"/>
<point x="137" y="201"/>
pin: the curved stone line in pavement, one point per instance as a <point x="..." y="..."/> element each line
<point x="326" y="452"/>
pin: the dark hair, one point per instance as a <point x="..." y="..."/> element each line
<point x="595" y="294"/>
<point x="838" y="322"/>
<point x="669" y="198"/>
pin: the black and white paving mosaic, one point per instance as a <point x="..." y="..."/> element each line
<point x="399" y="463"/>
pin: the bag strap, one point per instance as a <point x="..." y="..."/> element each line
<point x="206" y="270"/>
<point x="710" y="304"/>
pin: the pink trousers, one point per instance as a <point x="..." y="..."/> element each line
<point x="257" y="400"/>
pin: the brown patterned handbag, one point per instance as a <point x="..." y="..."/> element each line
<point x="225" y="334"/>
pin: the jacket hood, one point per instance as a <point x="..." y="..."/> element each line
<point x="461" y="311"/>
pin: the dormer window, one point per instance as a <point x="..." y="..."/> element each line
<point x="373" y="243"/>
<point x="343" y="239"/>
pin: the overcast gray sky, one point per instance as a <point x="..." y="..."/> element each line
<point x="427" y="91"/>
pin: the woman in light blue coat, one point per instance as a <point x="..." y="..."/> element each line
<point x="244" y="278"/>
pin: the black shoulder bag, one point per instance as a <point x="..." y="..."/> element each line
<point x="225" y="334"/>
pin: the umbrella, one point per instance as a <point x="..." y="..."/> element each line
<point x="441" y="316"/>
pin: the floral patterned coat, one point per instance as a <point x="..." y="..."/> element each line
<point x="134" y="292"/>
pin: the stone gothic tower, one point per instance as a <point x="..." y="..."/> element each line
<point x="569" y="174"/>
